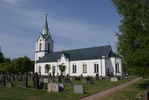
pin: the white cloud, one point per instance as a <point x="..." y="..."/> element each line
<point x="13" y="2"/>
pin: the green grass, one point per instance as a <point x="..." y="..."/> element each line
<point x="132" y="92"/>
<point x="19" y="93"/>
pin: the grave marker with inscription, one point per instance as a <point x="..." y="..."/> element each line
<point x="79" y="89"/>
<point x="53" y="87"/>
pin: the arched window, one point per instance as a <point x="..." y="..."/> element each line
<point x="117" y="67"/>
<point x="39" y="69"/>
<point x="39" y="57"/>
<point x="84" y="68"/>
<point x="47" y="68"/>
<point x="53" y="69"/>
<point x="40" y="45"/>
<point x="96" y="68"/>
<point x="74" y="68"/>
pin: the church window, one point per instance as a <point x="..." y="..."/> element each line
<point x="39" y="69"/>
<point x="117" y="67"/>
<point x="96" y="68"/>
<point x="39" y="57"/>
<point x="53" y="69"/>
<point x="74" y="68"/>
<point x="40" y="46"/>
<point x="84" y="68"/>
<point x="48" y="46"/>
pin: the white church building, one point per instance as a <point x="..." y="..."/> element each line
<point x="86" y="61"/>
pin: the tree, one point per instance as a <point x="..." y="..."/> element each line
<point x="62" y="68"/>
<point x="48" y="67"/>
<point x="22" y="64"/>
<point x="2" y="58"/>
<point x="133" y="35"/>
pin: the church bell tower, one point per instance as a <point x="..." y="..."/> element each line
<point x="44" y="43"/>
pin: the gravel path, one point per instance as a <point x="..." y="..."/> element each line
<point x="100" y="95"/>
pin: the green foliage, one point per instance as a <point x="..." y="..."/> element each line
<point x="48" y="67"/>
<point x="62" y="68"/>
<point x="23" y="64"/>
<point x="133" y="35"/>
<point x="2" y="58"/>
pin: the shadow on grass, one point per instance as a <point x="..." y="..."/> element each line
<point x="143" y="85"/>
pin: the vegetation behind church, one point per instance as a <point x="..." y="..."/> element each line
<point x="133" y="35"/>
<point x="21" y="64"/>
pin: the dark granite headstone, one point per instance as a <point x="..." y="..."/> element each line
<point x="50" y="80"/>
<point x="25" y="81"/>
<point x="13" y="77"/>
<point x="20" y="77"/>
<point x="9" y="84"/>
<point x="43" y="85"/>
<point x="16" y="77"/>
<point x="81" y="77"/>
<point x="79" y="89"/>
<point x="60" y="79"/>
<point x="3" y="80"/>
<point x="67" y="80"/>
<point x="91" y="81"/>
<point x="36" y="81"/>
<point x="97" y="77"/>
<point x="61" y="86"/>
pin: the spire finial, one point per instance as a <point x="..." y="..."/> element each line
<point x="46" y="23"/>
<point x="46" y="16"/>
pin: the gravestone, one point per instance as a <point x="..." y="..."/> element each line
<point x="60" y="79"/>
<point x="45" y="80"/>
<point x="16" y="77"/>
<point x="81" y="77"/>
<point x="50" y="80"/>
<point x="67" y="80"/>
<point x="100" y="78"/>
<point x="114" y="79"/>
<point x="79" y="89"/>
<point x="146" y="95"/>
<point x="36" y="81"/>
<point x="61" y="86"/>
<point x="91" y="81"/>
<point x="53" y="87"/>
<point x="20" y="77"/>
<point x="83" y="80"/>
<point x="13" y="77"/>
<point x="43" y="85"/>
<point x="3" y="80"/>
<point x="9" y="84"/>
<point x="97" y="77"/>
<point x="25" y="81"/>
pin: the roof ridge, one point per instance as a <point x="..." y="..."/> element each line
<point x="84" y="48"/>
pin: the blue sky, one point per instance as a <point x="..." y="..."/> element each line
<point x="73" y="24"/>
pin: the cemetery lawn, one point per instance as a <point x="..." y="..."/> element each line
<point x="17" y="92"/>
<point x="132" y="92"/>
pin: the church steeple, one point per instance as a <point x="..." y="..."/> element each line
<point x="45" y="29"/>
<point x="46" y="23"/>
<point x="44" y="43"/>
